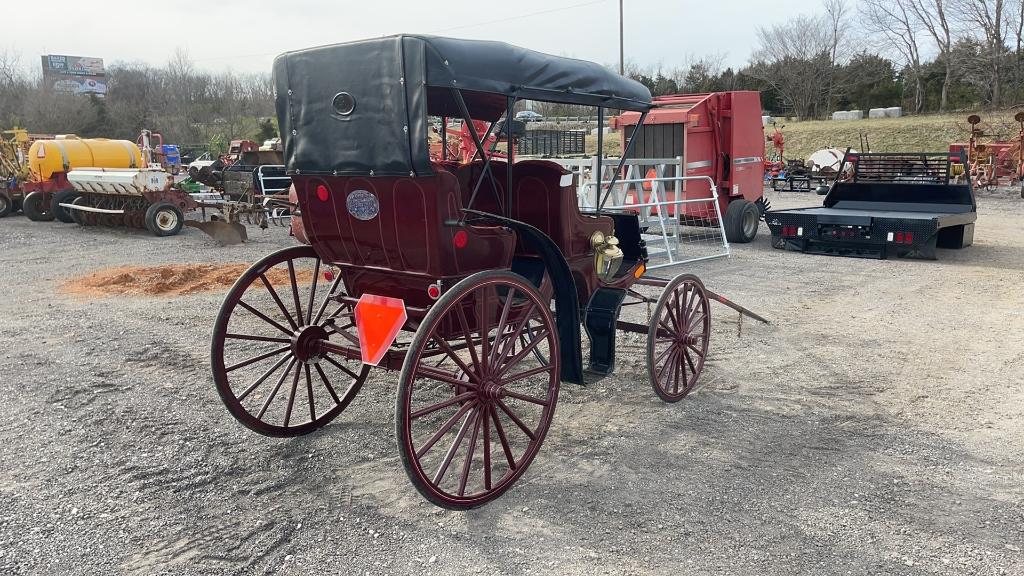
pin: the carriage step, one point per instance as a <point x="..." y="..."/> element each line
<point x="602" y="315"/>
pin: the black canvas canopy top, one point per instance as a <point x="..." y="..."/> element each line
<point x="361" y="108"/>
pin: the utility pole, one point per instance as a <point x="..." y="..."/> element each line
<point x="622" y="62"/>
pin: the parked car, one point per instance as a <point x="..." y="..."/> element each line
<point x="529" y="116"/>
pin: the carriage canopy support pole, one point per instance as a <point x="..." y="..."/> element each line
<point x="600" y="155"/>
<point x="510" y="154"/>
<point x="486" y="172"/>
<point x="622" y="161"/>
<point x="662" y="282"/>
<point x="444" y="138"/>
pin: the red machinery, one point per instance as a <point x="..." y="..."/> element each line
<point x="987" y="162"/>
<point x="460" y="145"/>
<point x="718" y="135"/>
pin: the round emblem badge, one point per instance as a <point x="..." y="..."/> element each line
<point x="362" y="204"/>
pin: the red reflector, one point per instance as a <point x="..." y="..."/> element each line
<point x="328" y="275"/>
<point x="461" y="239"/>
<point x="899" y="237"/>
<point x="378" y="320"/>
<point x="908" y="237"/>
<point x="322" y="192"/>
<point x="434" y="291"/>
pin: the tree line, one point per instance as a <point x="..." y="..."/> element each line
<point x="922" y="55"/>
<point x="185" y="104"/>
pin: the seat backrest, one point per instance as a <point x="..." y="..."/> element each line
<point x="402" y="224"/>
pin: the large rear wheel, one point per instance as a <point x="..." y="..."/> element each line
<point x="476" y="398"/>
<point x="268" y="365"/>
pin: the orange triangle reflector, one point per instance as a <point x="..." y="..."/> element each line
<point x="378" y="320"/>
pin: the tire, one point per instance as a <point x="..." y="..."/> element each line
<point x="6" y="205"/>
<point x="741" y="220"/>
<point x="36" y="207"/>
<point x="78" y="216"/>
<point x="331" y="378"/>
<point x="430" y="390"/>
<point x="673" y="371"/>
<point x="59" y="212"/>
<point x="164" y="219"/>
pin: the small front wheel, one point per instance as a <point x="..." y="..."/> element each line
<point x="164" y="219"/>
<point x="677" y="341"/>
<point x="477" y="390"/>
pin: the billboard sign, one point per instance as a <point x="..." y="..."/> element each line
<point x="76" y="74"/>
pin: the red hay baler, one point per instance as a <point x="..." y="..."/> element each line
<point x="719" y="135"/>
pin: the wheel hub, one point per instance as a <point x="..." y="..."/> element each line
<point x="688" y="339"/>
<point x="306" y="344"/>
<point x="491" y="391"/>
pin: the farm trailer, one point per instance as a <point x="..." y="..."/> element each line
<point x="719" y="135"/>
<point x="882" y="205"/>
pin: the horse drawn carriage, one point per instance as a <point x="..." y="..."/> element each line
<point x="474" y="280"/>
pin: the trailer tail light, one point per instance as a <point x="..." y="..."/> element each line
<point x="908" y="237"/>
<point x="899" y="237"/>
<point x="378" y="320"/>
<point x="328" y="275"/>
<point x="800" y="231"/>
<point x="322" y="193"/>
<point x="460" y="239"/>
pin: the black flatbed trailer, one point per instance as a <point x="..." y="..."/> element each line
<point x="885" y="205"/>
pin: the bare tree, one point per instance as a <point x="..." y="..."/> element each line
<point x="990" y="21"/>
<point x="931" y="16"/>
<point x="797" y="58"/>
<point x="895" y="23"/>
<point x="836" y="18"/>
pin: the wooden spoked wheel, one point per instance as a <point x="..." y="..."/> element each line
<point x="268" y="365"/>
<point x="475" y="396"/>
<point x="677" y="341"/>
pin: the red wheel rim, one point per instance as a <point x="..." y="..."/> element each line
<point x="268" y="365"/>
<point x="677" y="343"/>
<point x="475" y="405"/>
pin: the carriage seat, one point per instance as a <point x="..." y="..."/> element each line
<point x="539" y="199"/>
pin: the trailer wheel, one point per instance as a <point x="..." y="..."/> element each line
<point x="36" y="208"/>
<point x="6" y="205"/>
<point x="63" y="197"/>
<point x="741" y="219"/>
<point x="164" y="219"/>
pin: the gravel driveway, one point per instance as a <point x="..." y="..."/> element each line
<point x="875" y="427"/>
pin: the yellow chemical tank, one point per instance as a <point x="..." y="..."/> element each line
<point x="66" y="153"/>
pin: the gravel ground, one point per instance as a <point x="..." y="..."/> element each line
<point x="874" y="428"/>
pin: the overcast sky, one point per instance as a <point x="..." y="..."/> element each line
<point x="245" y="35"/>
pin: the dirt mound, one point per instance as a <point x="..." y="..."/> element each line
<point x="169" y="280"/>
